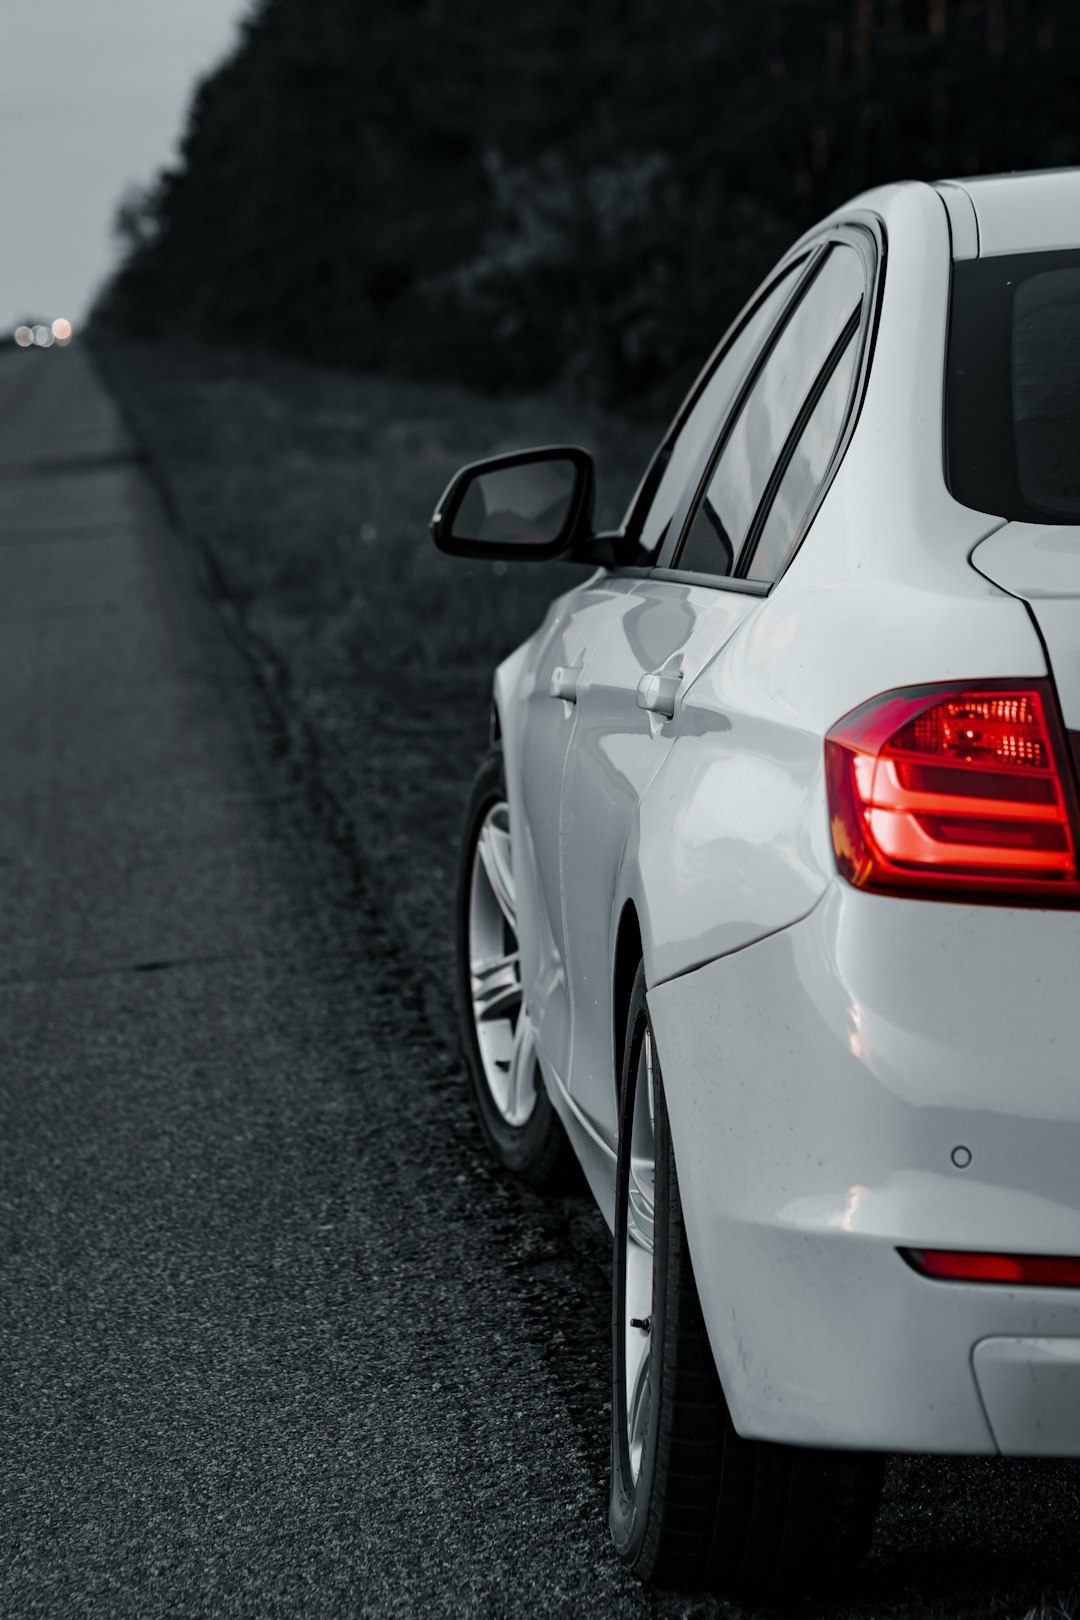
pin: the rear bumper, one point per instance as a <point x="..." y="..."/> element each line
<point x="818" y="1083"/>
<point x="1030" y="1391"/>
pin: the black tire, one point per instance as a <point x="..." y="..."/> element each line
<point x="537" y="1151"/>
<point x="709" y="1509"/>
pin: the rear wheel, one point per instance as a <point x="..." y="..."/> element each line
<point x="520" y="1125"/>
<point x="692" y="1503"/>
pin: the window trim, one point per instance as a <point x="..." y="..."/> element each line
<point x="686" y="576"/>
<point x="866" y="234"/>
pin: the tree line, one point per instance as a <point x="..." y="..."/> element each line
<point x="514" y="195"/>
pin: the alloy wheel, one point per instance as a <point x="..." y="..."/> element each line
<point x="503" y="1030"/>
<point x="638" y="1256"/>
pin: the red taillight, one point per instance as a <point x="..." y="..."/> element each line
<point x="1032" y="1270"/>
<point x="959" y="789"/>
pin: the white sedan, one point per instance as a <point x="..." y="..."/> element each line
<point x="769" y="910"/>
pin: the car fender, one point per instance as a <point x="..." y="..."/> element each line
<point x="729" y="843"/>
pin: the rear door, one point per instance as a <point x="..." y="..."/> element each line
<point x="627" y="701"/>
<point x="743" y="511"/>
<point x="576" y="631"/>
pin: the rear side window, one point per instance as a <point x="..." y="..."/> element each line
<point x="709" y="410"/>
<point x="1013" y="391"/>
<point x="790" y="510"/>
<point x="781" y="426"/>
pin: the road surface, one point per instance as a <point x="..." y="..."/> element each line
<point x="274" y="1340"/>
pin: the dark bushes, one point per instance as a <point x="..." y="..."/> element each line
<point x="514" y="194"/>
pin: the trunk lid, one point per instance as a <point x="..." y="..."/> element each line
<point x="1041" y="564"/>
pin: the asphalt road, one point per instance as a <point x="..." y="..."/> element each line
<point x="274" y="1340"/>
<point x="255" y="1360"/>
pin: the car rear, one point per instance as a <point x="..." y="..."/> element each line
<point x="888" y="1221"/>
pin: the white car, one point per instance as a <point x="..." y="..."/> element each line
<point x="769" y="905"/>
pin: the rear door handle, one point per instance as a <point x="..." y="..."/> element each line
<point x="564" y="684"/>
<point x="658" y="692"/>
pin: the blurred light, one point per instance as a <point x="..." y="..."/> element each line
<point x="23" y="337"/>
<point x="61" y="329"/>
<point x="43" y="337"/>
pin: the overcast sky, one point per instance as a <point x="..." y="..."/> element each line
<point x="92" y="97"/>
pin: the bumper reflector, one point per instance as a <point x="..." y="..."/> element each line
<point x="1030" y="1270"/>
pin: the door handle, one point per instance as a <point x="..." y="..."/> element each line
<point x="657" y="693"/>
<point x="564" y="684"/>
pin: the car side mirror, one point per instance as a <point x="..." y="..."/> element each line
<point x="531" y="506"/>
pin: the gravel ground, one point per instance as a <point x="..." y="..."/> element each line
<point x="274" y="1338"/>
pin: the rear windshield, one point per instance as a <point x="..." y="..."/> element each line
<point x="1013" y="390"/>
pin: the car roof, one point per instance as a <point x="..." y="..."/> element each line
<point x="1032" y="212"/>
<point x="1013" y="213"/>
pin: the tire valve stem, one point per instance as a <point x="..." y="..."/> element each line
<point x="642" y="1322"/>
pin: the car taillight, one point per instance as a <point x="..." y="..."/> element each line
<point x="955" y="791"/>
<point x="1030" y="1270"/>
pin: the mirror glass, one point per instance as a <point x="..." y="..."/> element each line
<point x="526" y="505"/>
